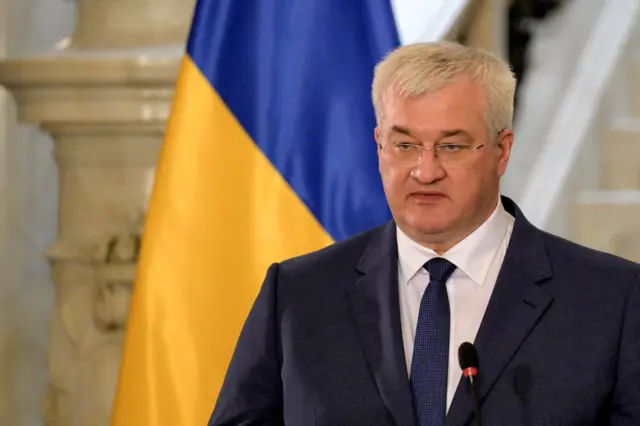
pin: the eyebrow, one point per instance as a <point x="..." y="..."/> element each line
<point x="443" y="133"/>
<point x="401" y="130"/>
<point x="454" y="132"/>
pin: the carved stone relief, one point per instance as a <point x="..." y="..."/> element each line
<point x="94" y="282"/>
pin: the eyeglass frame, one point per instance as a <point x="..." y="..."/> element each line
<point x="436" y="146"/>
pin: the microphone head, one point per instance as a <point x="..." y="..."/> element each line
<point x="468" y="356"/>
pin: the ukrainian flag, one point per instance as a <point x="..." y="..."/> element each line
<point x="268" y="154"/>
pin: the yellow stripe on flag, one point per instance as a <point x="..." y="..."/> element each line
<point x="219" y="215"/>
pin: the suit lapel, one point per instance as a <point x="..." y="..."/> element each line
<point x="516" y="305"/>
<point x="376" y="310"/>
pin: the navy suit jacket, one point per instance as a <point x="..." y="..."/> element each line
<point x="559" y="343"/>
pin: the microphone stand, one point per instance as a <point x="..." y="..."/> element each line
<point x="476" y="405"/>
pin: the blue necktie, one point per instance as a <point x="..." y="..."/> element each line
<point x="430" y="361"/>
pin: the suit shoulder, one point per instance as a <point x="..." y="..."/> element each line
<point x="571" y="253"/>
<point x="343" y="253"/>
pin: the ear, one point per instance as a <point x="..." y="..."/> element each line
<point x="376" y="136"/>
<point x="505" y="143"/>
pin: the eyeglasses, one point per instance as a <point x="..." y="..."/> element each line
<point x="447" y="154"/>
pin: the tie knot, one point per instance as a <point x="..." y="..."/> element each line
<point x="439" y="269"/>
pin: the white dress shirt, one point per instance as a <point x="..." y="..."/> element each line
<point x="478" y="259"/>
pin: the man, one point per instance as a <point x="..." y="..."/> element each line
<point x="366" y="332"/>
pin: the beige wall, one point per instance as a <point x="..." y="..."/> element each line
<point x="27" y="219"/>
<point x="79" y="335"/>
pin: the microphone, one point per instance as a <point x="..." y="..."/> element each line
<point x="469" y="363"/>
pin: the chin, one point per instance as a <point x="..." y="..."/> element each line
<point x="427" y="226"/>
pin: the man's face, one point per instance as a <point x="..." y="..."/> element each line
<point x="438" y="201"/>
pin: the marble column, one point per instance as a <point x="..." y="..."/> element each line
<point x="104" y="99"/>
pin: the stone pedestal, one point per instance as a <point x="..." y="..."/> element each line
<point x="117" y="23"/>
<point x="106" y="111"/>
<point x="107" y="118"/>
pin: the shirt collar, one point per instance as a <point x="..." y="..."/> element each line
<point x="473" y="255"/>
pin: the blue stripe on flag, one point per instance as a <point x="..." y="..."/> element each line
<point x="297" y="76"/>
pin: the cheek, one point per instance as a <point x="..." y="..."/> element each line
<point x="464" y="184"/>
<point x="386" y="173"/>
<point x="393" y="180"/>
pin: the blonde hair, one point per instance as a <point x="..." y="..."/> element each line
<point x="421" y="68"/>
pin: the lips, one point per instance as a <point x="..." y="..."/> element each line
<point x="427" y="196"/>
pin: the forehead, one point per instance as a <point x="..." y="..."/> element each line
<point x="459" y="104"/>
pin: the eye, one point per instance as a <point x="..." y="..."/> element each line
<point x="451" y="147"/>
<point x="404" y="146"/>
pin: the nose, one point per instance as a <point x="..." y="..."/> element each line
<point x="428" y="169"/>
